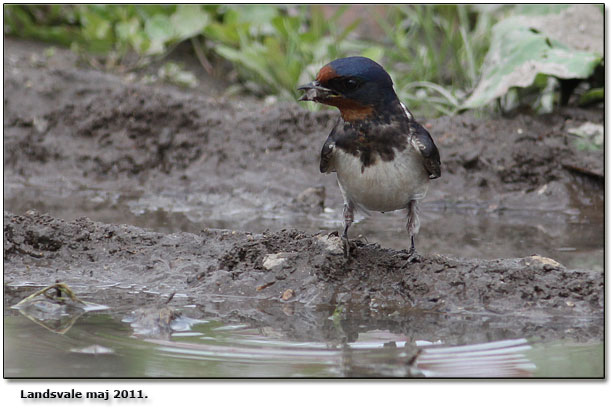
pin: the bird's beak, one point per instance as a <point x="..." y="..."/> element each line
<point x="313" y="91"/>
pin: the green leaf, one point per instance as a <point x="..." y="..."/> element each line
<point x="590" y="136"/>
<point x="175" y="74"/>
<point x="539" y="9"/>
<point x="227" y="33"/>
<point x="591" y="96"/>
<point x="159" y="30"/>
<point x="518" y="53"/>
<point x="189" y="20"/>
<point x="125" y="30"/>
<point x="95" y="27"/>
<point x="250" y="59"/>
<point x="256" y="14"/>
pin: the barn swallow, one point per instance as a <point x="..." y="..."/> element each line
<point x="382" y="157"/>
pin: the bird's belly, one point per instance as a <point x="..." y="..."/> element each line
<point x="383" y="186"/>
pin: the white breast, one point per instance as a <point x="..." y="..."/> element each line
<point x="385" y="185"/>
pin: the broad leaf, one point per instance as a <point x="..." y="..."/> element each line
<point x="519" y="52"/>
<point x="189" y="20"/>
<point x="159" y="30"/>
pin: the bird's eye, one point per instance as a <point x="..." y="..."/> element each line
<point x="350" y="84"/>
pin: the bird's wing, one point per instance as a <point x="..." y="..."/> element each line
<point x="326" y="164"/>
<point x="422" y="141"/>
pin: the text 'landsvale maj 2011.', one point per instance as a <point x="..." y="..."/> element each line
<point x="72" y="394"/>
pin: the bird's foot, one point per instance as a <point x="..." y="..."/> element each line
<point x="414" y="257"/>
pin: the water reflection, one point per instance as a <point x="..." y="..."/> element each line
<point x="101" y="345"/>
<point x="55" y="307"/>
<point x="499" y="359"/>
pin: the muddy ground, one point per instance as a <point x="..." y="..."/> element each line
<point x="76" y="135"/>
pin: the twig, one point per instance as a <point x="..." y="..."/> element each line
<point x="201" y="57"/>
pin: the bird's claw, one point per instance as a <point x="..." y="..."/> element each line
<point x="414" y="257"/>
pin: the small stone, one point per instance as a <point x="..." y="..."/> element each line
<point x="273" y="260"/>
<point x="546" y="261"/>
<point x="333" y="243"/>
<point x="40" y="124"/>
<point x="288" y="294"/>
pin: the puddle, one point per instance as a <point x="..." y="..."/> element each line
<point x="180" y="337"/>
<point x="101" y="345"/>
<point x="113" y="345"/>
<point x="574" y="239"/>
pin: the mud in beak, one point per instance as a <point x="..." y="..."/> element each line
<point x="313" y="91"/>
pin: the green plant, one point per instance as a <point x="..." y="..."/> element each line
<point x="275" y="47"/>
<point x="272" y="47"/>
<point x="590" y="136"/>
<point x="54" y="23"/>
<point x="522" y="56"/>
<point x="111" y="31"/>
<point x="175" y="74"/>
<point x="434" y="52"/>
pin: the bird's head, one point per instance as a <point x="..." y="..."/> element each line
<point x="357" y="86"/>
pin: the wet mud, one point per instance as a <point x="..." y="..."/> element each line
<point x="291" y="268"/>
<point x="199" y="194"/>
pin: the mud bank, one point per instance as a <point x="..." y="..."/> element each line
<point x="77" y="126"/>
<point x="289" y="267"/>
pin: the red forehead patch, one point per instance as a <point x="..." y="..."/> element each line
<point x="325" y="74"/>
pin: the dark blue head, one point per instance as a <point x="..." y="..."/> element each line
<point x="362" y="69"/>
<point x="358" y="86"/>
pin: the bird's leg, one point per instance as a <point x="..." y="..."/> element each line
<point x="413" y="229"/>
<point x="412" y="249"/>
<point x="348" y="215"/>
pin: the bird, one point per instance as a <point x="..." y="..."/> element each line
<point x="383" y="158"/>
